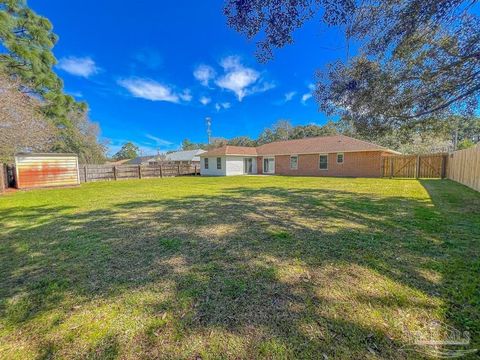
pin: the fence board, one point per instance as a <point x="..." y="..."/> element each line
<point x="120" y="172"/>
<point x="431" y="166"/>
<point x="464" y="167"/>
<point x="3" y="178"/>
<point x="414" y="166"/>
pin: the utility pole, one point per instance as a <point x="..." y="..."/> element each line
<point x="208" y="121"/>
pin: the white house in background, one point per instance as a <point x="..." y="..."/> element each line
<point x="229" y="160"/>
<point x="185" y="157"/>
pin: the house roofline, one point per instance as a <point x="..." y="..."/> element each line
<point x="333" y="152"/>
<point x="304" y="153"/>
<point x="245" y="155"/>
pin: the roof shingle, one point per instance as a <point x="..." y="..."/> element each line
<point x="312" y="145"/>
<point x="323" y="144"/>
<point x="231" y="150"/>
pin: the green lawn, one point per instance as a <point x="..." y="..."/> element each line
<point x="239" y="267"/>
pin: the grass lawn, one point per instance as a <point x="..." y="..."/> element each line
<point x="239" y="267"/>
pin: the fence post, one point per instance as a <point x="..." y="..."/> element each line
<point x="2" y="178"/>
<point x="140" y="171"/>
<point x="444" y="166"/>
<point x="161" y="172"/>
<point x="178" y="169"/>
<point x="391" y="167"/>
<point x="195" y="170"/>
<point x="85" y="172"/>
<point x="417" y="167"/>
<point x="114" y="172"/>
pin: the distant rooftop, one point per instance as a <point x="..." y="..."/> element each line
<point x="140" y="160"/>
<point x="187" y="155"/>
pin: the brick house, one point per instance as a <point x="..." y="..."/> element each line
<point x="337" y="155"/>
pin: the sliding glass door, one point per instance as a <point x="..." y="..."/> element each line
<point x="269" y="165"/>
<point x="248" y="165"/>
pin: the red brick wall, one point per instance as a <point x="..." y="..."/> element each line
<point x="259" y="165"/>
<point x="356" y="164"/>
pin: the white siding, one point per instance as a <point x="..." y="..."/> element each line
<point x="234" y="165"/>
<point x="231" y="165"/>
<point x="212" y="167"/>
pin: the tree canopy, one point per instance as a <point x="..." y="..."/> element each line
<point x="432" y="135"/>
<point x="128" y="151"/>
<point x="416" y="58"/>
<point x="23" y="127"/>
<point x="27" y="41"/>
<point x="281" y="130"/>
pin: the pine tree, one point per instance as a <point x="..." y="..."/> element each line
<point x="28" y="39"/>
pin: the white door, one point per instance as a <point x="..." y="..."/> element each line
<point x="269" y="165"/>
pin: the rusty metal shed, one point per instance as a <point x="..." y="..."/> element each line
<point x="46" y="170"/>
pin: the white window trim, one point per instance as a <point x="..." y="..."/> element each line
<point x="293" y="168"/>
<point x="343" y="158"/>
<point x="218" y="168"/>
<point x="206" y="163"/>
<point x="320" y="155"/>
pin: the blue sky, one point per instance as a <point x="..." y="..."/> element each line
<point x="152" y="71"/>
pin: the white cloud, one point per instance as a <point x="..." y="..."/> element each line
<point x="205" y="100"/>
<point x="237" y="78"/>
<point x="289" y="96"/>
<point x="204" y="74"/>
<point x="158" y="141"/>
<point x="77" y="94"/>
<point x="154" y="91"/>
<point x="308" y="96"/>
<point x="186" y="95"/>
<point x="224" y="105"/>
<point x="79" y="66"/>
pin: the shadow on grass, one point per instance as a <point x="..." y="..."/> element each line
<point x="291" y="272"/>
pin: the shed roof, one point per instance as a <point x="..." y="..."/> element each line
<point x="44" y="154"/>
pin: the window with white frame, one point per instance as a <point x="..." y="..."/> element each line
<point x="340" y="158"/>
<point x="323" y="162"/>
<point x="219" y="163"/>
<point x="294" y="162"/>
<point x="205" y="163"/>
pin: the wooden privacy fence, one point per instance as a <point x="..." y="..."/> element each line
<point x="118" y="172"/>
<point x="415" y="166"/>
<point x="464" y="167"/>
<point x="3" y="177"/>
